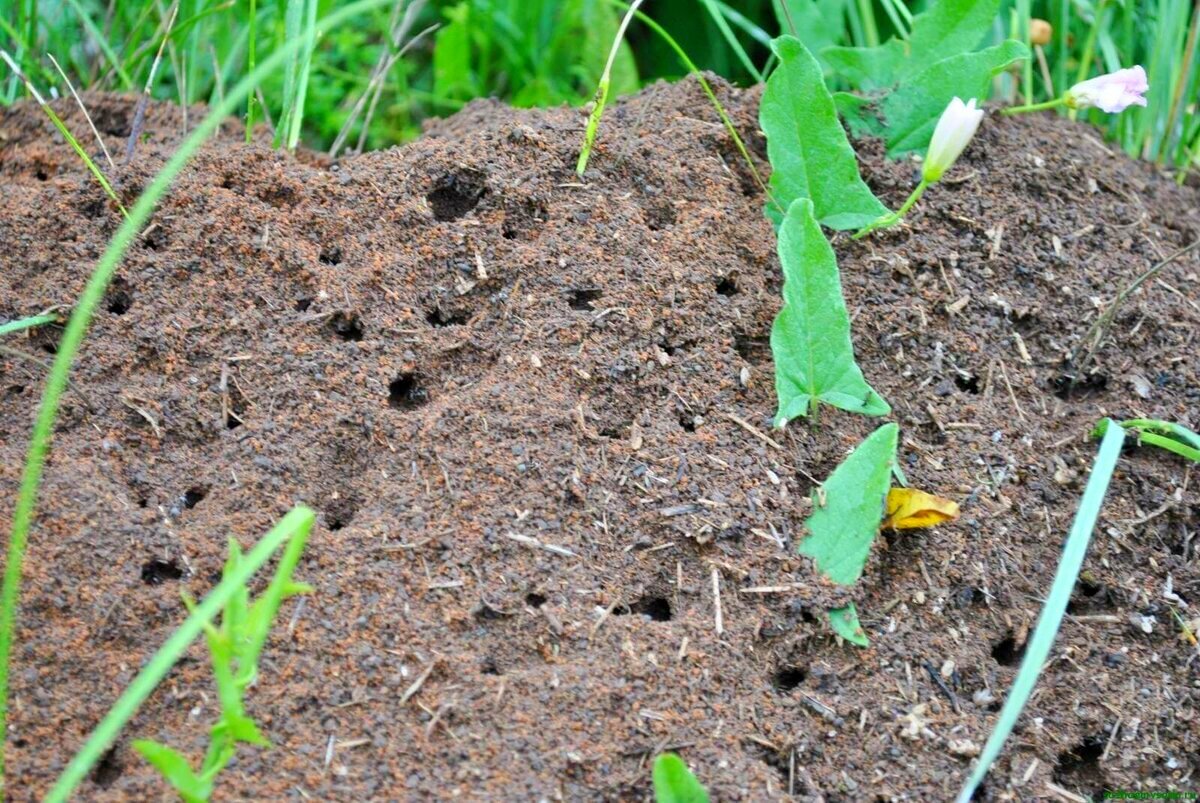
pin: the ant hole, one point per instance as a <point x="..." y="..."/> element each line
<point x="194" y="496"/>
<point x="119" y="298"/>
<point x="405" y="393"/>
<point x="347" y="325"/>
<point x="535" y="600"/>
<point x="584" y="299"/>
<point x="727" y="286"/>
<point x="657" y="609"/>
<point x="968" y="383"/>
<point x="302" y="304"/>
<point x="789" y="677"/>
<point x="158" y="571"/>
<point x="331" y="256"/>
<point x="1007" y="652"/>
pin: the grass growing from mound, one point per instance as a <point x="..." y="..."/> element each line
<point x="77" y="326"/>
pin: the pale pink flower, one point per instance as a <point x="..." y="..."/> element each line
<point x="1113" y="93"/>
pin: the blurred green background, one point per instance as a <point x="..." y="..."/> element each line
<point x="373" y="82"/>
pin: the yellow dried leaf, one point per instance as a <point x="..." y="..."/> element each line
<point x="908" y="508"/>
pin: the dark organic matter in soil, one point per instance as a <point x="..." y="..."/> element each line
<point x="454" y="347"/>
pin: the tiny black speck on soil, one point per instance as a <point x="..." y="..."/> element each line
<point x="443" y="345"/>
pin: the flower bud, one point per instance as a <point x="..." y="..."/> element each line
<point x="950" y="137"/>
<point x="1113" y="93"/>
<point x="1040" y="32"/>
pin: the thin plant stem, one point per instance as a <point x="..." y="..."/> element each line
<point x="251" y="51"/>
<point x="892" y="218"/>
<point x="1089" y="45"/>
<point x="593" y="123"/>
<point x="68" y="347"/>
<point x="710" y="94"/>
<point x="1035" y="107"/>
<point x="293" y="529"/>
<point x="82" y="108"/>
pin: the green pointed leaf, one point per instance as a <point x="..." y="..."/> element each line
<point x="1166" y="435"/>
<point x="810" y="155"/>
<point x="844" y="622"/>
<point x="912" y="111"/>
<point x="947" y="28"/>
<point x="848" y="508"/>
<point x="176" y="769"/>
<point x="674" y="782"/>
<point x="814" y="21"/>
<point x="810" y="340"/>
<point x="241" y="728"/>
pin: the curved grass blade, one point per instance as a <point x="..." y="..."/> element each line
<point x="593" y="123"/>
<point x="293" y="528"/>
<point x="1054" y="608"/>
<point x="1167" y="435"/>
<point x="809" y="152"/>
<point x="73" y="335"/>
<point x="848" y="507"/>
<point x="810" y="339"/>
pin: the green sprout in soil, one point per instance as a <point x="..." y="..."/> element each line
<point x="602" y="90"/>
<point x="675" y="783"/>
<point x="234" y="648"/>
<point x="1172" y="437"/>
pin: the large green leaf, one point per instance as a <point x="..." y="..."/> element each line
<point x="947" y="28"/>
<point x="674" y="782"/>
<point x="912" y="111"/>
<point x="848" y="508"/>
<point x="810" y="340"/>
<point x="810" y="155"/>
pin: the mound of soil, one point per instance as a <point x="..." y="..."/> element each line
<point x="556" y="532"/>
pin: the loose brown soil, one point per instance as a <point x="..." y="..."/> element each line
<point x="454" y="347"/>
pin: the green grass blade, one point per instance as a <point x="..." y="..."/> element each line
<point x="26" y="323"/>
<point x="56" y="382"/>
<point x="305" y="69"/>
<point x="92" y="167"/>
<point x="723" y="26"/>
<point x="101" y="42"/>
<point x="1056" y="605"/>
<point x="294" y="526"/>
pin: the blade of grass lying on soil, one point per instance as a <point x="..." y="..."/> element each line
<point x="810" y="339"/>
<point x="26" y="323"/>
<point x="675" y="783"/>
<point x="807" y="146"/>
<point x="67" y="135"/>
<point x="1167" y="435"/>
<point x="77" y="326"/>
<point x="1051" y="617"/>
<point x="293" y="529"/>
